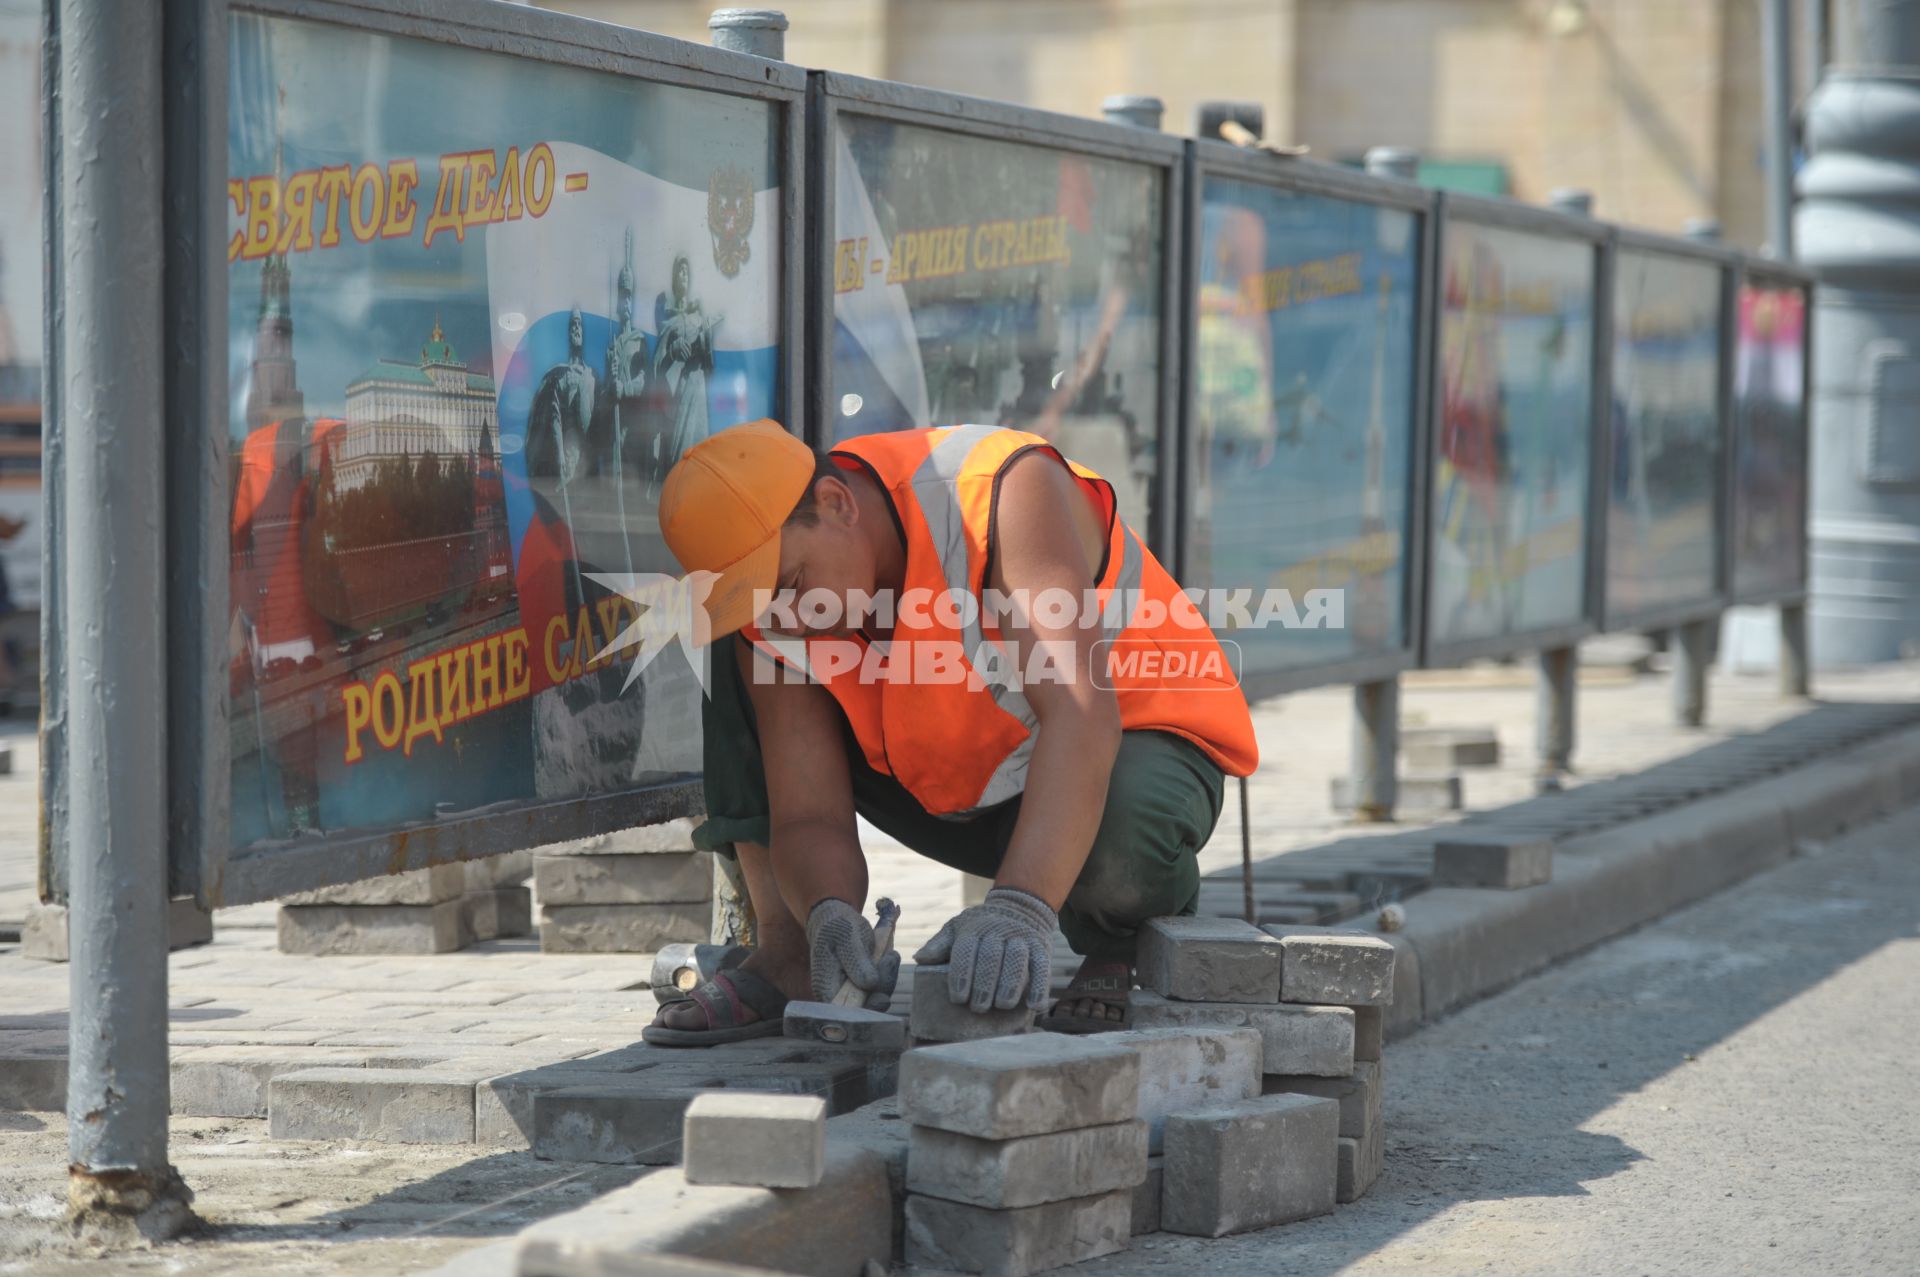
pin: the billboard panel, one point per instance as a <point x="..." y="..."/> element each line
<point x="1303" y="419"/>
<point x="1770" y="440"/>
<point x="1663" y="478"/>
<point x="984" y="281"/>
<point x="478" y="305"/>
<point x="1514" y="447"/>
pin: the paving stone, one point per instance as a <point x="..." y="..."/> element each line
<point x="509" y="869"/>
<point x="43" y="933"/>
<point x="1445" y="748"/>
<point x="612" y="1264"/>
<point x="624" y="879"/>
<point x="845" y="1026"/>
<point x="1002" y="1174"/>
<point x="232" y="1081"/>
<point x="398" y="1106"/>
<point x="428" y="886"/>
<point x="495" y="913"/>
<point x="1032" y="1084"/>
<point x="937" y="1018"/>
<point x="1250" y="1165"/>
<point x="1189" y="1068"/>
<point x="761" y="1141"/>
<point x="622" y="928"/>
<point x="1491" y="860"/>
<point x="1293" y="1039"/>
<point x="636" y="1121"/>
<point x="1012" y="1243"/>
<point x="1414" y="795"/>
<point x="372" y="929"/>
<point x="1361" y="1162"/>
<point x="669" y="836"/>
<point x="1358" y="1094"/>
<point x="831" y="1230"/>
<point x="1209" y="960"/>
<point x="843" y="1085"/>
<point x="503" y="1106"/>
<point x="879" y="1129"/>
<point x="1329" y="967"/>
<point x="1369" y="1032"/>
<point x="1146" y="1198"/>
<point x="33" y="1082"/>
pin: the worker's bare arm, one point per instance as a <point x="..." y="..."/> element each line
<point x="815" y="840"/>
<point x="1049" y="537"/>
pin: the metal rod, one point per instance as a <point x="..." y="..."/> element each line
<point x="1795" y="671"/>
<point x="1777" y="75"/>
<point x="1555" y="715"/>
<point x="1246" y="851"/>
<point x="1376" y="745"/>
<point x="112" y="388"/>
<point x="1818" y="24"/>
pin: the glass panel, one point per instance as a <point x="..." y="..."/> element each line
<point x="1662" y="526"/>
<point x="479" y="304"/>
<point x="1303" y="418"/>
<point x="979" y="281"/>
<point x="1770" y="451"/>
<point x="22" y="151"/>
<point x="1516" y="440"/>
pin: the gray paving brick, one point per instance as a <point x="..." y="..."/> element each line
<point x="1183" y="1068"/>
<point x="632" y="1122"/>
<point x="823" y="1022"/>
<point x="1250" y="1165"/>
<point x="621" y="928"/>
<point x="1031" y="1084"/>
<point x="1293" y="1039"/>
<point x="1146" y="1198"/>
<point x="1505" y="862"/>
<point x="762" y="1141"/>
<point x="1209" y="960"/>
<point x="372" y="929"/>
<point x="1012" y="1243"/>
<point x="624" y="879"/>
<point x="1361" y="1162"/>
<point x="232" y="1081"/>
<point x="1331" y="967"/>
<point x="503" y="1106"/>
<point x="399" y="1106"/>
<point x="937" y="1018"/>
<point x="34" y="1083"/>
<point x="428" y="886"/>
<point x="1369" y="1032"/>
<point x="1027" y="1171"/>
<point x="1358" y="1094"/>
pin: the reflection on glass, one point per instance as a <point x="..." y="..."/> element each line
<point x="1662" y="533"/>
<point x="22" y="146"/>
<point x="986" y="282"/>
<point x="1516" y="438"/>
<point x="479" y="305"/>
<point x="1303" y="417"/>
<point x="1770" y="450"/>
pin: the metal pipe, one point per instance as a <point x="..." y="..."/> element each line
<point x="1819" y="22"/>
<point x="1777" y="75"/>
<point x="112" y="388"/>
<point x="1795" y="671"/>
<point x="1554" y="717"/>
<point x="1376" y="748"/>
<point x="1692" y="654"/>
<point x="761" y="32"/>
<point x="1571" y="200"/>
<point x="1136" y="110"/>
<point x="1394" y="161"/>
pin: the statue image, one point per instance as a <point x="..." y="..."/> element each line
<point x="682" y="360"/>
<point x="561" y="412"/>
<point x="620" y="436"/>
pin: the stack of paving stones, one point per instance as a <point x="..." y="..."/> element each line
<point x="634" y="891"/>
<point x="43" y="933"/>
<point x="1431" y="783"/>
<point x="439" y="909"/>
<point x="1023" y="1153"/>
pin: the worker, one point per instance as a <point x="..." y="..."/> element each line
<point x="1084" y="792"/>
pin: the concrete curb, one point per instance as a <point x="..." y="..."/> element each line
<point x="1467" y="943"/>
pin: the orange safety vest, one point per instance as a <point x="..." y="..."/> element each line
<point x="960" y="746"/>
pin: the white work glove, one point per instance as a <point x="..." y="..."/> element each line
<point x="1000" y="951"/>
<point x="840" y="948"/>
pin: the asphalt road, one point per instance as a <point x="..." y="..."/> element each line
<point x="1730" y="1090"/>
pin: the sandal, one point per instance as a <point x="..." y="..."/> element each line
<point x="725" y="998"/>
<point x="1108" y="986"/>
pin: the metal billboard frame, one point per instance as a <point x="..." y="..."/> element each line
<point x="1207" y="159"/>
<point x="1726" y="261"/>
<point x="834" y="93"/>
<point x="1475" y="210"/>
<point x="202" y="863"/>
<point x="1772" y="273"/>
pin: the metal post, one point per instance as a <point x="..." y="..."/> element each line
<point x="1777" y="75"/>
<point x="1136" y="110"/>
<point x="112" y="388"/>
<point x="1817" y="43"/>
<point x="1795" y="678"/>
<point x="1376" y="748"/>
<point x="1394" y="161"/>
<point x="1704" y="229"/>
<point x="1692" y="654"/>
<point x="1571" y="200"/>
<point x="761" y="32"/>
<point x="1554" y="721"/>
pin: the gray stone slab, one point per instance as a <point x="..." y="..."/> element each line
<point x="1361" y="1162"/>
<point x="233" y="1081"/>
<point x="495" y="913"/>
<point x="879" y="1129"/>
<point x="510" y="869"/>
<point x="1208" y="960"/>
<point x="632" y="1122"/>
<point x="844" y="1085"/>
<point x="1358" y="1094"/>
<point x="1293" y="1039"/>
<point x="1414" y="794"/>
<point x="372" y="929"/>
<point x="823" y="1022"/>
<point x="399" y="1106"/>
<point x="937" y="1018"/>
<point x="1028" y="1171"/>
<point x="503" y="1106"/>
<point x="667" y="837"/>
<point x="1506" y="862"/>
<point x="43" y="932"/>
<point x="1184" y="1068"/>
<point x="1369" y="1032"/>
<point x="831" y="1230"/>
<point x="760" y="1141"/>
<point x="33" y="1083"/>
<point x="428" y="886"/>
<point x="1146" y="1198"/>
<point x="1325" y="966"/>
<point x="1031" y="1084"/>
<point x="1012" y="1243"/>
<point x="622" y="928"/>
<point x="1250" y="1165"/>
<point x="624" y="879"/>
<point x="1445" y="748"/>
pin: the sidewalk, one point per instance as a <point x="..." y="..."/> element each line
<point x="503" y="1004"/>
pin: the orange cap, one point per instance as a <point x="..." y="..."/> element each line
<point x="721" y="509"/>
